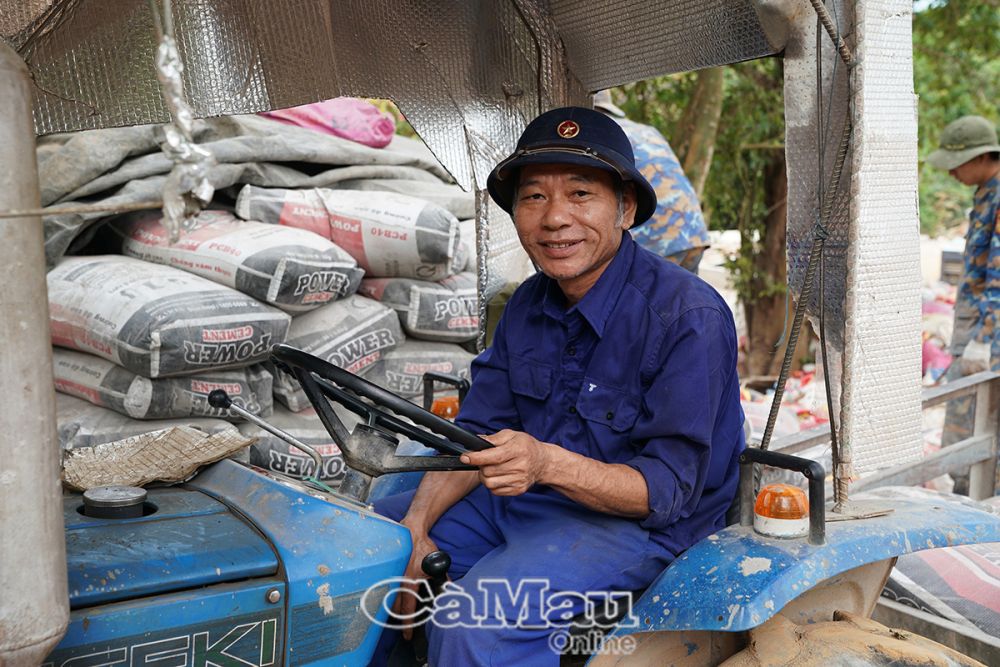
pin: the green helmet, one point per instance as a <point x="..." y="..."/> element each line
<point x="964" y="139"/>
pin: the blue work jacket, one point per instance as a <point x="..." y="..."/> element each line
<point x="641" y="372"/>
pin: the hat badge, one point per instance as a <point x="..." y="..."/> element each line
<point x="568" y="129"/>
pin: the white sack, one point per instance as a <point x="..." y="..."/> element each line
<point x="105" y="384"/>
<point x="445" y="311"/>
<point x="388" y="234"/>
<point x="157" y="321"/>
<point x="352" y="333"/>
<point x="290" y="268"/>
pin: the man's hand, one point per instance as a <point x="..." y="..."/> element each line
<point x="514" y="464"/>
<point x="405" y="604"/>
<point x="975" y="358"/>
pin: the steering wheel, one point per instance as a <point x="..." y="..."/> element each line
<point x="321" y="379"/>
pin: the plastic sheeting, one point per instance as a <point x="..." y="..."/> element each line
<point x="481" y="67"/>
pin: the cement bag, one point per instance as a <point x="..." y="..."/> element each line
<point x="81" y="424"/>
<point x="103" y="383"/>
<point x="443" y="311"/>
<point x="388" y="234"/>
<point x="468" y="237"/>
<point x="272" y="453"/>
<point x="402" y="370"/>
<point x="352" y="333"/>
<point x="155" y="320"/>
<point x="292" y="269"/>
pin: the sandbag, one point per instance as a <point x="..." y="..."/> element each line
<point x="272" y="453"/>
<point x="401" y="371"/>
<point x="389" y="234"/>
<point x="103" y="383"/>
<point x="81" y="424"/>
<point x="445" y="311"/>
<point x="157" y="321"/>
<point x="292" y="269"/>
<point x="352" y="333"/>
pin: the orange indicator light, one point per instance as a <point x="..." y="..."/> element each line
<point x="781" y="510"/>
<point x="446" y="407"/>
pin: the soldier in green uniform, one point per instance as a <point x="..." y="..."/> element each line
<point x="970" y="153"/>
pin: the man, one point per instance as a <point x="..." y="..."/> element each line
<point x="610" y="396"/>
<point x="970" y="153"/>
<point x="677" y="230"/>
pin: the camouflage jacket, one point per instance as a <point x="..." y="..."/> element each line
<point x="677" y="225"/>
<point x="979" y="291"/>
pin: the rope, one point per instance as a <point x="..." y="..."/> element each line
<point x="820" y="234"/>
<point x="81" y="209"/>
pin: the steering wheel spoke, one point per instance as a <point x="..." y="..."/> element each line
<point x="382" y="411"/>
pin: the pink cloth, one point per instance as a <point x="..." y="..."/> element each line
<point x="936" y="307"/>
<point x="344" y="117"/>
<point x="935" y="359"/>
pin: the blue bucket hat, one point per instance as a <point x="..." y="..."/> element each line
<point x="573" y="135"/>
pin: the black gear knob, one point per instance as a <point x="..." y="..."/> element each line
<point x="218" y="398"/>
<point x="435" y="565"/>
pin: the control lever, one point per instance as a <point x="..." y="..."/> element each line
<point x="435" y="565"/>
<point x="218" y="398"/>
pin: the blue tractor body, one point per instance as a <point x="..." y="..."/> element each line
<point x="236" y="568"/>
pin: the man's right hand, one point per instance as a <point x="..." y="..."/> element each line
<point x="437" y="492"/>
<point x="405" y="605"/>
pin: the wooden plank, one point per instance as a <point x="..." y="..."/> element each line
<point x="797" y="442"/>
<point x="957" y="388"/>
<point x="982" y="476"/>
<point x="960" y="455"/>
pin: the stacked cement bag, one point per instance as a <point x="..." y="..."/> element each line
<point x="80" y="424"/>
<point x="273" y="453"/>
<point x="469" y="243"/>
<point x="388" y="234"/>
<point x="157" y="321"/>
<point x="105" y="384"/>
<point x="351" y="333"/>
<point x="402" y="370"/>
<point x="445" y="311"/>
<point x="292" y="269"/>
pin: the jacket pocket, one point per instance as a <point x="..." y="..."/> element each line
<point x="605" y="405"/>
<point x="530" y="378"/>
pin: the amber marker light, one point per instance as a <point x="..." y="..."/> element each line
<point x="446" y="407"/>
<point x="781" y="510"/>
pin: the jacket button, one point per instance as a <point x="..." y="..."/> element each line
<point x="610" y="415"/>
<point x="572" y="409"/>
<point x="571" y="351"/>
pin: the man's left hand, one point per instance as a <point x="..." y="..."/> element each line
<point x="514" y="464"/>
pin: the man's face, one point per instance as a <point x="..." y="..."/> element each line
<point x="971" y="172"/>
<point x="566" y="217"/>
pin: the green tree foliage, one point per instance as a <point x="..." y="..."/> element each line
<point x="750" y="135"/>
<point x="956" y="72"/>
<point x="745" y="188"/>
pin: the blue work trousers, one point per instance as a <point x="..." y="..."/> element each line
<point x="541" y="540"/>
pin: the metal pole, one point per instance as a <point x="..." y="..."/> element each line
<point x="35" y="608"/>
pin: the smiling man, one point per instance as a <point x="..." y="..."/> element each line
<point x="610" y="396"/>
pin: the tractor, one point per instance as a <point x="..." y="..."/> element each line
<point x="240" y="566"/>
